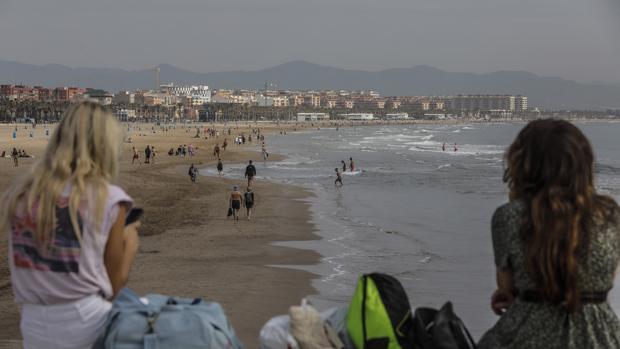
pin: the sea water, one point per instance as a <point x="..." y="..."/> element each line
<point x="410" y="208"/>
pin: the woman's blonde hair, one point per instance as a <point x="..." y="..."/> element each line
<point x="83" y="152"/>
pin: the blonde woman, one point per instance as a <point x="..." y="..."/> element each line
<point x="69" y="249"/>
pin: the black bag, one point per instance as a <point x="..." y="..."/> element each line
<point x="440" y="329"/>
<point x="379" y="315"/>
<point x="230" y="212"/>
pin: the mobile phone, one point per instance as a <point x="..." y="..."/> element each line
<point x="134" y="215"/>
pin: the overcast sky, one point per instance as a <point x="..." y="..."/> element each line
<point x="575" y="39"/>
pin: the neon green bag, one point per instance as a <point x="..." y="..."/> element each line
<point x="379" y="316"/>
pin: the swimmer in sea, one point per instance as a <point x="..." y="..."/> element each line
<point x="351" y="165"/>
<point x="455" y="147"/>
<point x="344" y="166"/>
<point x="443" y="147"/>
<point x="338" y="178"/>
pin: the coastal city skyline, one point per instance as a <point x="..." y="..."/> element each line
<point x="302" y="174"/>
<point x="201" y="103"/>
<point x="478" y="37"/>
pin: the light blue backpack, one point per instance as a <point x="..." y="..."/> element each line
<point x="166" y="322"/>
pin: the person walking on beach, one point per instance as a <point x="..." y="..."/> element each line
<point x="250" y="173"/>
<point x="351" y="165"/>
<point x="153" y="154"/>
<point x="70" y="250"/>
<point x="338" y="178"/>
<point x="225" y="144"/>
<point x="248" y="197"/>
<point x="193" y="173"/>
<point x="555" y="244"/>
<point x="344" y="166"/>
<point x="135" y="156"/>
<point x="147" y="155"/>
<point x="235" y="201"/>
<point x="216" y="151"/>
<point x="15" y="156"/>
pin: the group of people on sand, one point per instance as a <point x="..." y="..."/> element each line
<point x="236" y="199"/>
<point x="183" y="150"/>
<point x="556" y="241"/>
<point x="15" y="154"/>
<point x="149" y="155"/>
<point x="338" y="181"/>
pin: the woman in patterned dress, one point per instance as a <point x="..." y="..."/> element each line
<point x="556" y="244"/>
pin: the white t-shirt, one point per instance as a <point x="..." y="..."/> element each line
<point x="67" y="271"/>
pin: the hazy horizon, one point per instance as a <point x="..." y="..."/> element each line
<point x="571" y="39"/>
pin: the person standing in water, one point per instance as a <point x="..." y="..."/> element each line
<point x="344" y="166"/>
<point x="338" y="178"/>
<point x="443" y="147"/>
<point x="220" y="167"/>
<point x="248" y="197"/>
<point x="351" y="165"/>
<point x="235" y="201"/>
<point x="455" y="147"/>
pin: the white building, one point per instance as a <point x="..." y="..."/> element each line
<point x="483" y="102"/>
<point x="201" y="94"/>
<point x="358" y="116"/>
<point x="312" y="116"/>
<point x="520" y="104"/>
<point x="125" y="114"/>
<point x="397" y="116"/>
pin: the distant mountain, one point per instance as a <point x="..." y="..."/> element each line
<point x="549" y="92"/>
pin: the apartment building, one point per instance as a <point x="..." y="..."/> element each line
<point x="296" y="100"/>
<point x="520" y="104"/>
<point x="312" y="100"/>
<point x="483" y="102"/>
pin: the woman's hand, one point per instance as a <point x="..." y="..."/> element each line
<point x="501" y="301"/>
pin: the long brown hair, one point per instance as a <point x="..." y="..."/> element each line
<point x="550" y="168"/>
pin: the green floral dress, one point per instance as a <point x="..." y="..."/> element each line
<point x="543" y="325"/>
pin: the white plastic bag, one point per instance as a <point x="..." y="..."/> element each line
<point x="276" y="334"/>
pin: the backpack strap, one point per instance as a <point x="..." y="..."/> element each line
<point x="150" y="338"/>
<point x="364" y="310"/>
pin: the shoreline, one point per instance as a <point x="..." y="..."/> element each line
<point x="188" y="248"/>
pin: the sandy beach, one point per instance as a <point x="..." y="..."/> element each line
<point x="188" y="247"/>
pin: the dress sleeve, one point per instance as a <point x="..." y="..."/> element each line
<point x="116" y="196"/>
<point x="499" y="232"/>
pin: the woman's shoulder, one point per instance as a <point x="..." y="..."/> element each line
<point x="116" y="194"/>
<point x="509" y="211"/>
